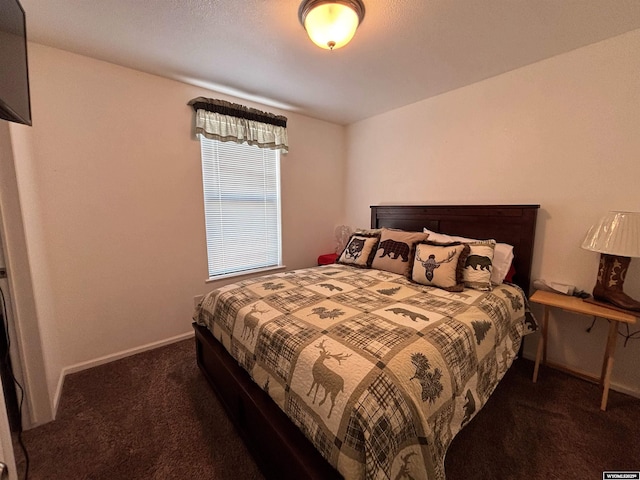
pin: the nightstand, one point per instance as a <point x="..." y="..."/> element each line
<point x="577" y="305"/>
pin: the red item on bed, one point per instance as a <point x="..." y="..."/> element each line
<point x="510" y="274"/>
<point x="327" y="258"/>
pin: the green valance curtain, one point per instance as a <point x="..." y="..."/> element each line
<point x="230" y="122"/>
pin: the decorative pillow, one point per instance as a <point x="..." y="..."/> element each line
<point x="478" y="265"/>
<point x="502" y="256"/>
<point x="395" y="250"/>
<point x="440" y="265"/>
<point x="359" y="250"/>
<point x="369" y="231"/>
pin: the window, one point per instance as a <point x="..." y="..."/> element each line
<point x="242" y="206"/>
<point x="241" y="149"/>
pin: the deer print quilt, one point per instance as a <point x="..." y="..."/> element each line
<point x="378" y="372"/>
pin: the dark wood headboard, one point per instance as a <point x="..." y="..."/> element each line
<point x="512" y="224"/>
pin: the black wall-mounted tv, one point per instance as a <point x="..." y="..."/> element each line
<point x="15" y="104"/>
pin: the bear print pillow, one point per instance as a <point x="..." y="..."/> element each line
<point x="395" y="250"/>
<point x="479" y="265"/>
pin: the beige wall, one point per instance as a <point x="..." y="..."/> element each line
<point x="111" y="180"/>
<point x="561" y="133"/>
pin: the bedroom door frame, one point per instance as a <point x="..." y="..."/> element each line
<point x="7" y="340"/>
<point x="27" y="354"/>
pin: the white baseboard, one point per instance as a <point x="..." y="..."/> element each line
<point x="78" y="367"/>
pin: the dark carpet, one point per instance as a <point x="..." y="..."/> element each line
<point x="552" y="429"/>
<point x="148" y="416"/>
<point x="153" y="416"/>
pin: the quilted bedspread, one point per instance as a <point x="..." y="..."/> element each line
<point x="378" y="372"/>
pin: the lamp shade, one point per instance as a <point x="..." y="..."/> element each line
<point x="331" y="24"/>
<point x="617" y="233"/>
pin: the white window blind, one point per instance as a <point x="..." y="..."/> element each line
<point x="242" y="206"/>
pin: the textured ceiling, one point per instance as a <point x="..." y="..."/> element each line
<point x="404" y="51"/>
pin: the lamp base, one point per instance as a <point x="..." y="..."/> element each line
<point x="611" y="274"/>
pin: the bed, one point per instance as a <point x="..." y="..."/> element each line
<point x="361" y="399"/>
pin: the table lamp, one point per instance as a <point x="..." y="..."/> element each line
<point x="616" y="236"/>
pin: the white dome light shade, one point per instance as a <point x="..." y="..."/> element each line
<point x="617" y="233"/>
<point x="331" y="25"/>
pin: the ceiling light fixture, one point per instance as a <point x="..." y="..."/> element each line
<point x="331" y="24"/>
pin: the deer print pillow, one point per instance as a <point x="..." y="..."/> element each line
<point x="359" y="250"/>
<point x="440" y="265"/>
<point x="479" y="265"/>
<point x="395" y="250"/>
